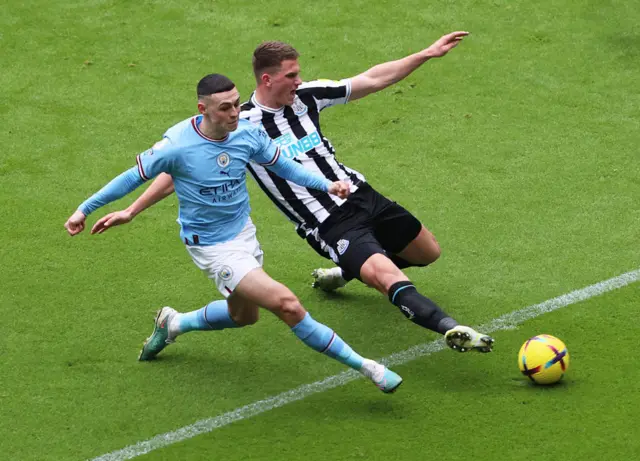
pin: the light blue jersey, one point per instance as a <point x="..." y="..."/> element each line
<point x="209" y="177"/>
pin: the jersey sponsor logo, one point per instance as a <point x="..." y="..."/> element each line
<point x="223" y="160"/>
<point x="342" y="246"/>
<point x="299" y="108"/>
<point x="284" y="140"/>
<point x="225" y="191"/>
<point x="225" y="273"/>
<point x="292" y="148"/>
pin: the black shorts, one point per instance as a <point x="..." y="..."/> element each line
<point x="366" y="224"/>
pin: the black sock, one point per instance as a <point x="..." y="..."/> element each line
<point x="345" y="276"/>
<point x="420" y="309"/>
<point x="402" y="263"/>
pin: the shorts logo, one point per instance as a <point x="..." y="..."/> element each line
<point x="299" y="108"/>
<point x="342" y="246"/>
<point x="225" y="273"/>
<point x="223" y="160"/>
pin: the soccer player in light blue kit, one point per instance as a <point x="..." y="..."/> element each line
<point x="206" y="156"/>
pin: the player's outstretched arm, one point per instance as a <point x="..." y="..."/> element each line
<point x="296" y="173"/>
<point x="269" y="155"/>
<point x="383" y="75"/>
<point x="117" y="188"/>
<point x="159" y="189"/>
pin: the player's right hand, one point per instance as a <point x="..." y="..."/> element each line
<point x="111" y="220"/>
<point x="340" y="188"/>
<point x="75" y="223"/>
<point x="445" y="43"/>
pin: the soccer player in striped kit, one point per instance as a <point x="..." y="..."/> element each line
<point x="368" y="236"/>
<point x="206" y="157"/>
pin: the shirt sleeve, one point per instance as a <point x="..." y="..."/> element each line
<point x="296" y="173"/>
<point x="264" y="151"/>
<point x="327" y="93"/>
<point x="159" y="159"/>
<point x="117" y="188"/>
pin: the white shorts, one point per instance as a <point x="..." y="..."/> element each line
<point x="227" y="263"/>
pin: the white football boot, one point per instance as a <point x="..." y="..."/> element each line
<point x="384" y="379"/>
<point x="464" y="339"/>
<point x="328" y="279"/>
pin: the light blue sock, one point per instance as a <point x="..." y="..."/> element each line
<point x="323" y="339"/>
<point x="213" y="316"/>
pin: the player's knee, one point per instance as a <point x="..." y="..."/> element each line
<point x="426" y="253"/>
<point x="289" y="305"/>
<point x="434" y="252"/>
<point x="380" y="276"/>
<point x="368" y="274"/>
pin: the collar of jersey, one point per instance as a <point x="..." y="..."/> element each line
<point x="195" y="122"/>
<point x="265" y="108"/>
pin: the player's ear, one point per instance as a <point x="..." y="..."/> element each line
<point x="201" y="107"/>
<point x="265" y="79"/>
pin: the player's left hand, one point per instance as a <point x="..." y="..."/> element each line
<point x="75" y="224"/>
<point x="340" y="188"/>
<point x="111" y="220"/>
<point x="445" y="43"/>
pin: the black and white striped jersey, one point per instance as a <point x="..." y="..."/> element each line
<point x="296" y="129"/>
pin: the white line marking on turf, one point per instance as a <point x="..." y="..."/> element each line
<point x="505" y="322"/>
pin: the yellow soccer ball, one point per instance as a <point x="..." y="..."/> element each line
<point x="544" y="359"/>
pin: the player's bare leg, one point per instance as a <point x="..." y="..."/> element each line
<point x="242" y="311"/>
<point x="421" y="251"/>
<point x="235" y="312"/>
<point x="257" y="287"/>
<point x="381" y="273"/>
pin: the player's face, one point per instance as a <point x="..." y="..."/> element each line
<point x="285" y="82"/>
<point x="222" y="109"/>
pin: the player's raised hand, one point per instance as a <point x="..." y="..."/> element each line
<point x="445" y="43"/>
<point x="111" y="220"/>
<point x="75" y="223"/>
<point x="340" y="188"/>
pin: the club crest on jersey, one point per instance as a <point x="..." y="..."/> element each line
<point x="299" y="108"/>
<point x="223" y="160"/>
<point x="225" y="273"/>
<point x="342" y="246"/>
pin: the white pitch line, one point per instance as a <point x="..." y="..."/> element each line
<point x="504" y="322"/>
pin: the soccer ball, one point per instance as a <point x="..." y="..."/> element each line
<point x="543" y="359"/>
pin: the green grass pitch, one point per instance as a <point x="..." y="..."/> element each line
<point x="519" y="150"/>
